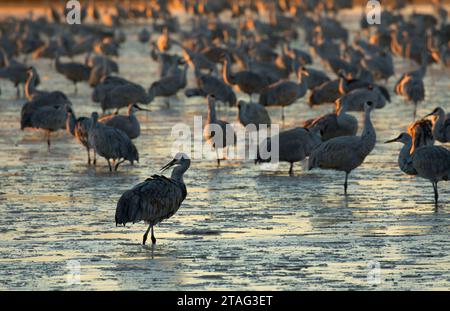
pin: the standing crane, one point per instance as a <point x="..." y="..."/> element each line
<point x="156" y="199"/>
<point x="345" y="153"/>
<point x="111" y="143"/>
<point x="430" y="162"/>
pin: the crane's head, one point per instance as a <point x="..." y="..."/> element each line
<point x="180" y="159"/>
<point x="403" y="138"/>
<point x="369" y="106"/>
<point x="435" y="112"/>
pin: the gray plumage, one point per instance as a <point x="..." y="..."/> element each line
<point x="248" y="82"/>
<point x="284" y="93"/>
<point x="49" y="118"/>
<point x="404" y="157"/>
<point x="169" y="85"/>
<point x="128" y="124"/>
<point x="120" y="94"/>
<point x="327" y="92"/>
<point x="441" y="125"/>
<point x="79" y="128"/>
<point x="411" y="86"/>
<point x="156" y="199"/>
<point x="111" y="143"/>
<point x="430" y="162"/>
<point x="253" y="114"/>
<point x="345" y="153"/>
<point x="294" y="145"/>
<point x="74" y="72"/>
<point x="218" y="133"/>
<point x="331" y="125"/>
<point x="355" y="99"/>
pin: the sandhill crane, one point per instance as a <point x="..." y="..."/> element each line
<point x="327" y="92"/>
<point x="411" y="86"/>
<point x="79" y="128"/>
<point x="49" y="118"/>
<point x="253" y="113"/>
<point x="284" y="93"/>
<point x="345" y="153"/>
<point x="120" y="94"/>
<point x="169" y="85"/>
<point x="441" y="125"/>
<point x="111" y="143"/>
<point x="355" y="99"/>
<point x="31" y="83"/>
<point x="248" y="82"/>
<point x="404" y="157"/>
<point x="74" y="72"/>
<point x="331" y="125"/>
<point x="128" y="124"/>
<point x="294" y="145"/>
<point x="430" y="162"/>
<point x="56" y="98"/>
<point x="168" y="63"/>
<point x="315" y="77"/>
<point x="219" y="133"/>
<point x="156" y="199"/>
<point x="208" y="84"/>
<point x="14" y="72"/>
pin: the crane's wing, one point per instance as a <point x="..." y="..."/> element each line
<point x="155" y="199"/>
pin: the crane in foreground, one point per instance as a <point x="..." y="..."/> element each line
<point x="430" y="162"/>
<point x="156" y="199"/>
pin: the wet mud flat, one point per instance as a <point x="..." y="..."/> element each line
<point x="241" y="227"/>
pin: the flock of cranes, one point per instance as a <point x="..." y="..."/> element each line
<point x="250" y="52"/>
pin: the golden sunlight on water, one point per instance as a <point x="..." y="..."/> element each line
<point x="240" y="227"/>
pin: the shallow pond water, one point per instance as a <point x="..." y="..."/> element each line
<point x="240" y="227"/>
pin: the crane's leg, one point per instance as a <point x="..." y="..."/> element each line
<point x="95" y="157"/>
<point x="291" y="169"/>
<point x="415" y="110"/>
<point x="436" y="194"/>
<point x="48" y="140"/>
<point x="282" y="115"/>
<point x="76" y="89"/>
<point x="146" y="234"/>
<point x="109" y="164"/>
<point x="89" y="155"/>
<point x="18" y="91"/>
<point x="217" y="157"/>
<point x="153" y="237"/>
<point x="117" y="165"/>
<point x="346" y="183"/>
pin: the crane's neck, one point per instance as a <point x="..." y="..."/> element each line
<point x="227" y="75"/>
<point x="70" y="123"/>
<point x="150" y="95"/>
<point x="30" y="85"/>
<point x="178" y="172"/>
<point x="368" y="135"/>
<point x="368" y="130"/>
<point x="211" y="112"/>
<point x="302" y="85"/>
<point x="438" y="125"/>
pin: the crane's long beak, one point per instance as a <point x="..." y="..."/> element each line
<point x="168" y="165"/>
<point x="141" y="109"/>
<point x="392" y="140"/>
